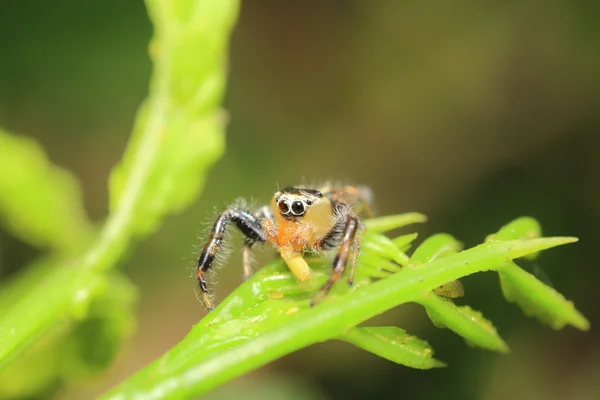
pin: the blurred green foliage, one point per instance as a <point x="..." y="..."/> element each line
<point x="471" y="113"/>
<point x="40" y="203"/>
<point x="177" y="136"/>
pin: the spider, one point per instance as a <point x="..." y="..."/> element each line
<point x="298" y="220"/>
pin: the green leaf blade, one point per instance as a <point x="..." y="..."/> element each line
<point x="533" y="296"/>
<point x="464" y="321"/>
<point x="395" y="345"/>
<point x="539" y="300"/>
<point x="382" y="245"/>
<point x="186" y="371"/>
<point x="404" y="242"/>
<point x="437" y="246"/>
<point x="520" y="228"/>
<point x="391" y="222"/>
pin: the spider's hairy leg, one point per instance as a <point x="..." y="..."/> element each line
<point x="347" y="240"/>
<point x="247" y="223"/>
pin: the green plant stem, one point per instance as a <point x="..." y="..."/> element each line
<point x="116" y="234"/>
<point x="65" y="285"/>
<point x="326" y="321"/>
<point x="64" y="291"/>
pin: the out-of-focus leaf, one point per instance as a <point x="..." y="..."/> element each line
<point x="96" y="341"/>
<point x="538" y="300"/>
<point x="177" y="135"/>
<point x="178" y="156"/>
<point x="404" y="242"/>
<point x="466" y="322"/>
<point x="434" y="247"/>
<point x="13" y="290"/>
<point x="391" y="222"/>
<point x="534" y="297"/>
<point x="40" y="203"/>
<point x="439" y="246"/>
<point x="520" y="228"/>
<point x="374" y="259"/>
<point x="179" y="131"/>
<point x="36" y="373"/>
<point x="63" y="294"/>
<point x="394" y="344"/>
<point x="75" y="351"/>
<point x="384" y="246"/>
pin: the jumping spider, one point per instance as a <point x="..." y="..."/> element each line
<point x="298" y="220"/>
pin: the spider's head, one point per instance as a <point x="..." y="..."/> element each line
<point x="294" y="203"/>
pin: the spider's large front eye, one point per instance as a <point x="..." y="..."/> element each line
<point x="298" y="208"/>
<point x="283" y="207"/>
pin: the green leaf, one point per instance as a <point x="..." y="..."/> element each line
<point x="17" y="287"/>
<point x="250" y="328"/>
<point x="40" y="203"/>
<point x="394" y="344"/>
<point x="466" y="322"/>
<point x="537" y="299"/>
<point x="391" y="222"/>
<point x="97" y="340"/>
<point x="384" y="246"/>
<point x="437" y="246"/>
<point x="534" y="297"/>
<point x="404" y="242"/>
<point x="520" y="228"/>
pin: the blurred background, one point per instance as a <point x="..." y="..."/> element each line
<point x="471" y="113"/>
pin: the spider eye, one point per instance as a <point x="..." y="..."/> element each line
<point x="283" y="207"/>
<point x="297" y="208"/>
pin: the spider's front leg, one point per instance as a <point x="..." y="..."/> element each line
<point x="250" y="225"/>
<point x="348" y="249"/>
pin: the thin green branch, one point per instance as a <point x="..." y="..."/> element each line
<point x="192" y="368"/>
<point x="178" y="135"/>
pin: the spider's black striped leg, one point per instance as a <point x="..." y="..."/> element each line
<point x="351" y="226"/>
<point x="247" y="223"/>
<point x="263" y="213"/>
